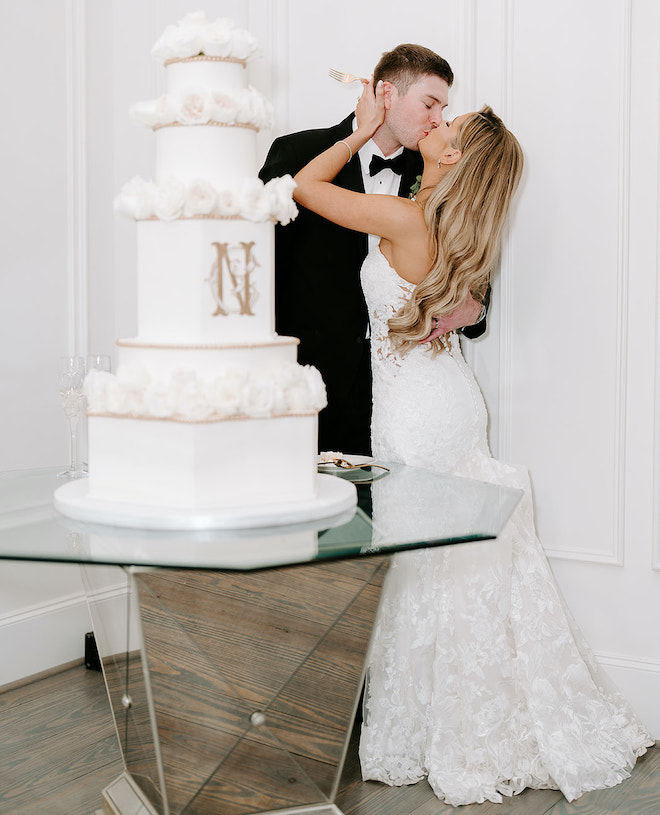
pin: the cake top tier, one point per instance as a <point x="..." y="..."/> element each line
<point x="194" y="35"/>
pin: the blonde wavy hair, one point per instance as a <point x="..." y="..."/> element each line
<point x="465" y="214"/>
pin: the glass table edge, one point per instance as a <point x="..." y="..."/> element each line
<point x="356" y="548"/>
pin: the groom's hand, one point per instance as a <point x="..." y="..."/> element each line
<point x="467" y="313"/>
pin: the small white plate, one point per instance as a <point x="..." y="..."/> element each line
<point x="354" y="461"/>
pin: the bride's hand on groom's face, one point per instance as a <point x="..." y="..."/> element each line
<point x="370" y="110"/>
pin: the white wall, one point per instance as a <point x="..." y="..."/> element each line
<point x="43" y="614"/>
<point x="570" y="365"/>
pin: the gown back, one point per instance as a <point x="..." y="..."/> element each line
<point x="478" y="678"/>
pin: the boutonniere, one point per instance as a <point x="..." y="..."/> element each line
<point x="415" y="187"/>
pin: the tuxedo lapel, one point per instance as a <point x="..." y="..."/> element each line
<point x="350" y="175"/>
<point x="412" y="169"/>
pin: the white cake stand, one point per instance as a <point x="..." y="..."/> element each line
<point x="333" y="495"/>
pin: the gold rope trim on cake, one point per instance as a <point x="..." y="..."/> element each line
<point x="215" y="420"/>
<point x="244" y="125"/>
<point x="205" y="58"/>
<point x="277" y="342"/>
<point x="202" y="217"/>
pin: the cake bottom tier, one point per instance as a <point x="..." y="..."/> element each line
<point x="202" y="465"/>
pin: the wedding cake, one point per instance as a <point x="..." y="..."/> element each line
<point x="209" y="420"/>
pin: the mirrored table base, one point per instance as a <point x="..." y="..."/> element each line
<point x="241" y="696"/>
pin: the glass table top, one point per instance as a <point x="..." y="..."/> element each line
<point x="405" y="508"/>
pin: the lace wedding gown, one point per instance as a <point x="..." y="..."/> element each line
<point x="478" y="678"/>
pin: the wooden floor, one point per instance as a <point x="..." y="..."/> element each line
<point x="58" y="750"/>
<point x="58" y="746"/>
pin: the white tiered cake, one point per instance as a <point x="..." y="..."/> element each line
<point x="210" y="421"/>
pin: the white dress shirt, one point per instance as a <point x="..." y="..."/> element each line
<point x="385" y="182"/>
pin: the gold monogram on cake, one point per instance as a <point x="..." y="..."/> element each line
<point x="230" y="278"/>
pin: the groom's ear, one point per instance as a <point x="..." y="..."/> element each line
<point x="390" y="94"/>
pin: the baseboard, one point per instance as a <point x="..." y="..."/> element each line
<point x="43" y="638"/>
<point x="639" y="681"/>
<point x="27" y="680"/>
<point x="49" y="636"/>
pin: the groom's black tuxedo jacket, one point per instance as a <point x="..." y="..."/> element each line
<point x="318" y="297"/>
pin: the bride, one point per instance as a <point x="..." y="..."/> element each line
<point x="478" y="678"/>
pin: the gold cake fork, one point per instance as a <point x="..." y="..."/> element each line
<point x="342" y="77"/>
<point x="343" y="464"/>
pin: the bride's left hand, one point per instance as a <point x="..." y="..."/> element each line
<point x="370" y="110"/>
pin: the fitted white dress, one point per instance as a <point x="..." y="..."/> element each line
<point x="478" y="678"/>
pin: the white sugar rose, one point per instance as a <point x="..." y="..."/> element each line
<point x="117" y="399"/>
<point x="194" y="107"/>
<point x="223" y="107"/>
<point x="200" y="199"/>
<point x="280" y="405"/>
<point x="181" y="40"/>
<point x="159" y="400"/>
<point x="289" y="373"/>
<point x="133" y="377"/>
<point x="95" y="388"/>
<point x="257" y="397"/>
<point x="254" y="202"/>
<point x="228" y="203"/>
<point x="153" y="113"/>
<point x="169" y="200"/>
<point x="194" y="19"/>
<point x="181" y="377"/>
<point x="264" y="113"/>
<point x="295" y="388"/>
<point x="217" y="37"/>
<point x="137" y="199"/>
<point x="245" y="45"/>
<point x="193" y="402"/>
<point x="162" y="49"/>
<point x="236" y="378"/>
<point x="280" y="195"/>
<point x="316" y="387"/>
<point x="278" y="382"/>
<point x="297" y="398"/>
<point x="253" y="108"/>
<point x="226" y="394"/>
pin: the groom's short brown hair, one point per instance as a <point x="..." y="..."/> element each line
<point x="407" y="63"/>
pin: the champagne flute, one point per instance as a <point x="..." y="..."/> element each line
<point x="97" y="362"/>
<point x="71" y="377"/>
<point x="93" y="362"/>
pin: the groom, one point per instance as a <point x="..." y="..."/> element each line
<point x="318" y="297"/>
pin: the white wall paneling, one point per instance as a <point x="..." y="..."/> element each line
<point x="43" y="615"/>
<point x="493" y="77"/>
<point x="34" y="235"/>
<point x="654" y="210"/>
<point x="584" y="315"/>
<point x="565" y="416"/>
<point x="76" y="142"/>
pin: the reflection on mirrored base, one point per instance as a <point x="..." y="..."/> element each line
<point x="123" y="796"/>
<point x="249" y="689"/>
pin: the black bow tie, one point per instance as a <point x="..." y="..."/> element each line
<point x="395" y="164"/>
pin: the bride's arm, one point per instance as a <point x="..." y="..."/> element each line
<point x="376" y="214"/>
